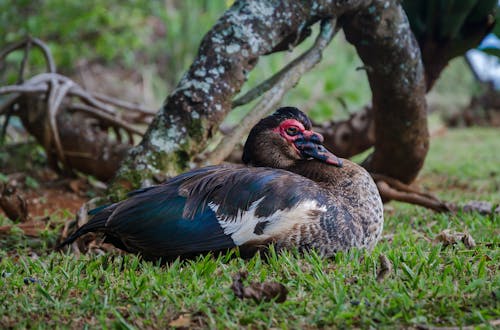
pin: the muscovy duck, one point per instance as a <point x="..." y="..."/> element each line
<point x="291" y="192"/>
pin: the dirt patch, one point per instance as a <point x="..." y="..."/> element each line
<point x="46" y="201"/>
<point x="43" y="193"/>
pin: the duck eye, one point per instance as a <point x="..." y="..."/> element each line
<point x="292" y="130"/>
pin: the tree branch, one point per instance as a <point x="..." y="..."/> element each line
<point x="276" y="88"/>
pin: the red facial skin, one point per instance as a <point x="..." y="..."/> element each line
<point x="311" y="143"/>
<point x="281" y="129"/>
<point x="302" y="132"/>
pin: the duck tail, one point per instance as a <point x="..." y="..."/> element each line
<point x="96" y="224"/>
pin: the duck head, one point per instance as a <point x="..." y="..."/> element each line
<point x="283" y="138"/>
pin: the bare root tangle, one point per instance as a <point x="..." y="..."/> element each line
<point x="274" y="89"/>
<point x="48" y="97"/>
<point x="51" y="67"/>
<point x="56" y="96"/>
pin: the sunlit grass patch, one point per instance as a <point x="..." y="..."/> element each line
<point x="430" y="284"/>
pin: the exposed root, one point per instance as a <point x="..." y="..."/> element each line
<point x="393" y="189"/>
<point x="42" y="100"/>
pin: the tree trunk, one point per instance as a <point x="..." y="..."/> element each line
<point x="450" y="29"/>
<point x="391" y="55"/>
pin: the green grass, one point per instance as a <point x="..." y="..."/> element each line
<point x="471" y="162"/>
<point x="430" y="285"/>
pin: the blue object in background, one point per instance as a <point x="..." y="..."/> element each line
<point x="486" y="67"/>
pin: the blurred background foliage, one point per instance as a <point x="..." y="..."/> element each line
<point x="137" y="50"/>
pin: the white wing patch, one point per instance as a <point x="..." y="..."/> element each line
<point x="241" y="227"/>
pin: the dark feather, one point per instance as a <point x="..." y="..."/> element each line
<point x="96" y="224"/>
<point x="174" y="218"/>
<point x="235" y="189"/>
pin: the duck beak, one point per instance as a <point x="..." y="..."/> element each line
<point x="310" y="144"/>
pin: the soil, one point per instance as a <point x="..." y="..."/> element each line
<point x="26" y="175"/>
<point x="46" y="201"/>
<point x="40" y="199"/>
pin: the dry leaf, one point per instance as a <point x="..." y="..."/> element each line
<point x="77" y="186"/>
<point x="481" y="207"/>
<point x="449" y="237"/>
<point x="183" y="321"/>
<point x="266" y="291"/>
<point x="468" y="240"/>
<point x="385" y="267"/>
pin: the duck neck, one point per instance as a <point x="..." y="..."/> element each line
<point x="318" y="171"/>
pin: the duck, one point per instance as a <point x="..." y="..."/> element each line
<point x="290" y="192"/>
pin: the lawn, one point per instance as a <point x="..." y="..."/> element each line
<point x="430" y="284"/>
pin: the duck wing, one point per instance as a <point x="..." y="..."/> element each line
<point x="207" y="209"/>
